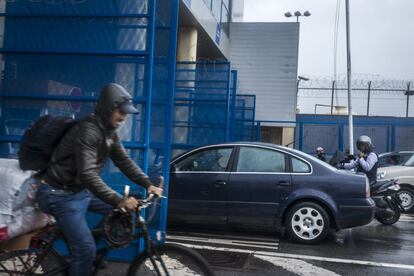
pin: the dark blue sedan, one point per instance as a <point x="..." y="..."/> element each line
<point x="257" y="186"/>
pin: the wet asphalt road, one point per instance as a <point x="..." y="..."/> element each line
<point x="374" y="249"/>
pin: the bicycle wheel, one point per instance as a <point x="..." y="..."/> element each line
<point x="33" y="262"/>
<point x="178" y="260"/>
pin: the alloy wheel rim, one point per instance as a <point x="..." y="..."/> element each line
<point x="307" y="223"/>
<point x="406" y="199"/>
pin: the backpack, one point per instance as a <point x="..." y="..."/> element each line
<point x="39" y="141"/>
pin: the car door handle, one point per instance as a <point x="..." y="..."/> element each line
<point x="220" y="183"/>
<point x="283" y="183"/>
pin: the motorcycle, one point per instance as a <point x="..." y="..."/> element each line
<point x="387" y="202"/>
<point x="384" y="193"/>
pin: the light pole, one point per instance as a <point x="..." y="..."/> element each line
<point x="348" y="58"/>
<point x="297" y="14"/>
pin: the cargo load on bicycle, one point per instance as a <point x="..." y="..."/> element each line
<point x="18" y="212"/>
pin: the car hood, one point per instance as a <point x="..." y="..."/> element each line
<point x="403" y="173"/>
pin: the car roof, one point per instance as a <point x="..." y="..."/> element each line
<point x="259" y="144"/>
<point x="397" y="152"/>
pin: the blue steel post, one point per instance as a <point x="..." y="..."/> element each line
<point x="392" y="138"/>
<point x="341" y="137"/>
<point x="151" y="42"/>
<point x="228" y="104"/>
<point x="170" y="108"/>
<point x="149" y="71"/>
<point x="300" y="136"/>
<point x="388" y="138"/>
<point x="233" y="104"/>
<point x="258" y="138"/>
<point x="254" y="114"/>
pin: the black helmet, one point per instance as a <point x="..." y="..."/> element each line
<point x="118" y="228"/>
<point x="364" y="140"/>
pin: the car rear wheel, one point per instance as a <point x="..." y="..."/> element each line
<point x="407" y="199"/>
<point x="307" y="222"/>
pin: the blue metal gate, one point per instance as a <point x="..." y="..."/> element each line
<point x="56" y="56"/>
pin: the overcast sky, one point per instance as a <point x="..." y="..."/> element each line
<point x="382" y="35"/>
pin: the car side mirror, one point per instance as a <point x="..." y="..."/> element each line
<point x="173" y="168"/>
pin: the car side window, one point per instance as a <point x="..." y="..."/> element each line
<point x="298" y="166"/>
<point x="260" y="160"/>
<point x="205" y="161"/>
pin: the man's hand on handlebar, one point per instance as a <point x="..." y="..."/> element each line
<point x="128" y="203"/>
<point x="155" y="190"/>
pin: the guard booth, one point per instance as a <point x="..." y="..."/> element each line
<point x="56" y="56"/>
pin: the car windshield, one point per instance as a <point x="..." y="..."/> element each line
<point x="410" y="162"/>
<point x="314" y="159"/>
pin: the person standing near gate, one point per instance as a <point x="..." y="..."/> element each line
<point x="73" y="185"/>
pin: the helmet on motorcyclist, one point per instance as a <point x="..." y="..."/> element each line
<point x="364" y="143"/>
<point x="320" y="150"/>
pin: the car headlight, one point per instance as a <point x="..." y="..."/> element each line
<point x="381" y="175"/>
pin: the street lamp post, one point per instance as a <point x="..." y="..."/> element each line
<point x="348" y="55"/>
<point x="297" y="14"/>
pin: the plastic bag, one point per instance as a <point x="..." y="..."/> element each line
<point x="18" y="211"/>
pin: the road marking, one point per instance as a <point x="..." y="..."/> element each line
<point x="298" y="267"/>
<point x="406" y="218"/>
<point x="302" y="257"/>
<point x="242" y="243"/>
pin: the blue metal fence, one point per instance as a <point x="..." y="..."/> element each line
<point x="201" y="104"/>
<point x="331" y="132"/>
<point x="244" y="118"/>
<point x="56" y="57"/>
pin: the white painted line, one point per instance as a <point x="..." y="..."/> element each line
<point x="303" y="257"/>
<point x="225" y="242"/>
<point x="223" y="236"/>
<point x="221" y="240"/>
<point x="298" y="267"/>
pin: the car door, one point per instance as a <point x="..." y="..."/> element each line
<point x="257" y="185"/>
<point x="198" y="182"/>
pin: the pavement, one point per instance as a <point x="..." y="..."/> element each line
<point x="367" y="250"/>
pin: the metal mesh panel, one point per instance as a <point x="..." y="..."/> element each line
<point x="202" y="101"/>
<point x="378" y="135"/>
<point x="76" y="34"/>
<point x="244" y="115"/>
<point x="77" y="7"/>
<point x="325" y="136"/>
<point x="53" y="75"/>
<point x="45" y="70"/>
<point x="331" y="132"/>
<point x="404" y="138"/>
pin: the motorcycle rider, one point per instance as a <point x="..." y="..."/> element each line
<point x="367" y="161"/>
<point x="320" y="154"/>
<point x="71" y="187"/>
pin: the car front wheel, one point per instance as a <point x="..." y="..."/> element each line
<point x="307" y="222"/>
<point x="406" y="196"/>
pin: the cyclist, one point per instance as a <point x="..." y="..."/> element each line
<point x="73" y="186"/>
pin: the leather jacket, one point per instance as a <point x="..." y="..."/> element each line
<point x="87" y="145"/>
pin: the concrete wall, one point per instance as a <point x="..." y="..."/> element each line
<point x="266" y="57"/>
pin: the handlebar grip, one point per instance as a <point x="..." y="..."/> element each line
<point x="126" y="190"/>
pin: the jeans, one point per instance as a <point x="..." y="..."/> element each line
<point x="69" y="210"/>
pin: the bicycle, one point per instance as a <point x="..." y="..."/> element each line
<point x="167" y="259"/>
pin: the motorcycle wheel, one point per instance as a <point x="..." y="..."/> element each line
<point x="390" y="220"/>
